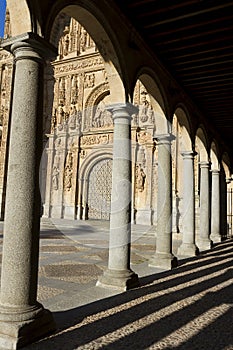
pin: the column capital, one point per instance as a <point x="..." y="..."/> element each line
<point x="164" y="138"/>
<point x="122" y="110"/>
<point x="204" y="164"/>
<point x="29" y="45"/>
<point x="228" y="180"/>
<point x="215" y="171"/>
<point x="188" y="154"/>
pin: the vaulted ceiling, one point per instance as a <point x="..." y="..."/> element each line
<point x="194" y="41"/>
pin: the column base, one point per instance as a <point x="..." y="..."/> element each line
<point x="216" y="238"/>
<point x="46" y="211"/>
<point x="163" y="261"/>
<point x="15" y="334"/>
<point x="69" y="212"/>
<point x="144" y="217"/>
<point x="118" y="279"/>
<point x="188" y="249"/>
<point x="205" y="244"/>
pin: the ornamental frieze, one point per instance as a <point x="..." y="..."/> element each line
<point x="100" y="139"/>
<point x="82" y="64"/>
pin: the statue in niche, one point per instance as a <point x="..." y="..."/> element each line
<point x="62" y="91"/>
<point x="63" y="48"/>
<point x="68" y="171"/>
<point x="143" y="108"/>
<point x="54" y="121"/>
<point x="140" y="178"/>
<point x="74" y="90"/>
<point x="72" y="118"/>
<point x="55" y="175"/>
<point x="60" y="115"/>
<point x="57" y="146"/>
<point x="89" y="80"/>
<point x="83" y="40"/>
<point x="150" y="114"/>
<point x="68" y="178"/>
<point x="102" y="117"/>
<point x="78" y="120"/>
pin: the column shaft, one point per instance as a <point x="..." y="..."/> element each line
<point x="215" y="207"/>
<point x="18" y="301"/>
<point x="163" y="257"/>
<point x="204" y="241"/>
<point x="21" y="227"/>
<point x="188" y="247"/>
<point x="118" y="273"/>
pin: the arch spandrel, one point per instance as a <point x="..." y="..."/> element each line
<point x="201" y="145"/>
<point x="226" y="164"/>
<point x="184" y="129"/>
<point x="214" y="159"/>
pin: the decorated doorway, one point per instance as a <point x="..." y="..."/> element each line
<point x="99" y="190"/>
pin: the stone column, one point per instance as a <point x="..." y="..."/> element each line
<point x="204" y="241"/>
<point x="119" y="275"/>
<point x="163" y="257"/>
<point x="22" y="318"/>
<point x="188" y="246"/>
<point x="215" y="235"/>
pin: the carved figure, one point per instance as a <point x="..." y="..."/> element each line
<point x="140" y="178"/>
<point x="143" y="108"/>
<point x="63" y="48"/>
<point x="60" y="115"/>
<point x="55" y="175"/>
<point x="83" y="40"/>
<point x="72" y="118"/>
<point x="68" y="178"/>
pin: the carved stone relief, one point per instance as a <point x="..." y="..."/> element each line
<point x="140" y="178"/>
<point x="141" y="99"/>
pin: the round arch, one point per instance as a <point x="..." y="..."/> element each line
<point x="96" y="24"/>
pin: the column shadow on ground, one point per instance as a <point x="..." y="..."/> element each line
<point x="186" y="308"/>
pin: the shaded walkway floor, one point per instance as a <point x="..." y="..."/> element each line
<point x="187" y="308"/>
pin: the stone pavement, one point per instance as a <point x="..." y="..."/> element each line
<point x="189" y="307"/>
